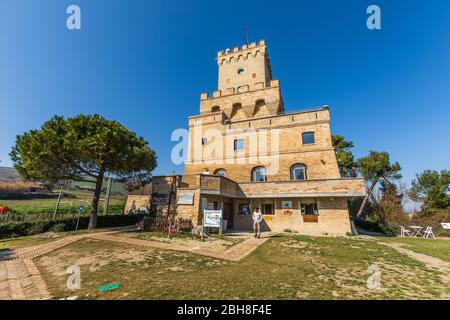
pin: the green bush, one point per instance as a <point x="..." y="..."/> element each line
<point x="59" y="227"/>
<point x="19" y="229"/>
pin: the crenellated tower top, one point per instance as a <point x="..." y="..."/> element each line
<point x="244" y="66"/>
<point x="246" y="88"/>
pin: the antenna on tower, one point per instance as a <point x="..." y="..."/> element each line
<point x="246" y="34"/>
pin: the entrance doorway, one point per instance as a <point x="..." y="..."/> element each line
<point x="228" y="214"/>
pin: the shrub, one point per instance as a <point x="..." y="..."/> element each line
<point x="39" y="226"/>
<point x="60" y="227"/>
<point x="19" y="229"/>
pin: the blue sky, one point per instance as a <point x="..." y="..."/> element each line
<point x="145" y="63"/>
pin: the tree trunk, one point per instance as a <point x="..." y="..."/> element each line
<point x="95" y="201"/>
<point x="366" y="198"/>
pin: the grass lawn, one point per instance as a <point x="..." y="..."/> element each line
<point x="284" y="267"/>
<point x="438" y="248"/>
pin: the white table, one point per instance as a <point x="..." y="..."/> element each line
<point x="417" y="230"/>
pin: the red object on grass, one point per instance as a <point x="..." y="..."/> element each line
<point x="4" y="209"/>
<point x="172" y="231"/>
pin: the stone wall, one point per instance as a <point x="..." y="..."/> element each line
<point x="274" y="143"/>
<point x="137" y="202"/>
<point x="189" y="211"/>
<point x="333" y="218"/>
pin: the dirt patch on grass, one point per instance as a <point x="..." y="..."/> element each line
<point x="187" y="242"/>
<point x="94" y="260"/>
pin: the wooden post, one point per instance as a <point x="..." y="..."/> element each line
<point x="221" y="223"/>
<point x="57" y="202"/>
<point x="108" y="193"/>
<point x="171" y="193"/>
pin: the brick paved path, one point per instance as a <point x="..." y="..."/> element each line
<point x="20" y="279"/>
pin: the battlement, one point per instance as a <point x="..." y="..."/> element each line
<point x="245" y="47"/>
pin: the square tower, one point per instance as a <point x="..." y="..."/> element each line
<point x="244" y="66"/>
<point x="244" y="151"/>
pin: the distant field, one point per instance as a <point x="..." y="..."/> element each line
<point x="13" y="195"/>
<point x="45" y="203"/>
<point x="117" y="187"/>
<point x="8" y="175"/>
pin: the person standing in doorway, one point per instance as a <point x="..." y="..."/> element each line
<point x="257" y="218"/>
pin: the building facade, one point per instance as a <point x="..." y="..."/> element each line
<point x="246" y="151"/>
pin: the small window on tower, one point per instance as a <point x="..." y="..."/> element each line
<point x="308" y="138"/>
<point x="254" y="75"/>
<point x="241" y="71"/>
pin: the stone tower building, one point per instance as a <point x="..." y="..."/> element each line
<point x="245" y="151"/>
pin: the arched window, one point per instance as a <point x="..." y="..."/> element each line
<point x="259" y="174"/>
<point x="215" y="109"/>
<point x="221" y="172"/>
<point x="298" y="172"/>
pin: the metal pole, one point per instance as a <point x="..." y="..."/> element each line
<point x="57" y="202"/>
<point x="203" y="226"/>
<point x="78" y="220"/>
<point x="108" y="193"/>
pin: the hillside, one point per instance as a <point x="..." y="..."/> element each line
<point x="9" y="175"/>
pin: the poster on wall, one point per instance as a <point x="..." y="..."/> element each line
<point x="286" y="208"/>
<point x="186" y="198"/>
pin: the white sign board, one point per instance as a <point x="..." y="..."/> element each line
<point x="212" y="218"/>
<point x="186" y="198"/>
<point x="446" y="226"/>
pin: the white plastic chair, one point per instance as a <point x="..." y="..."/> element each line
<point x="428" y="233"/>
<point x="405" y="232"/>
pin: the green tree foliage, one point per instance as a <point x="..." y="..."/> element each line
<point x="432" y="188"/>
<point x="387" y="207"/>
<point x="376" y="167"/>
<point x="80" y="147"/>
<point x="344" y="155"/>
<point x="390" y="195"/>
